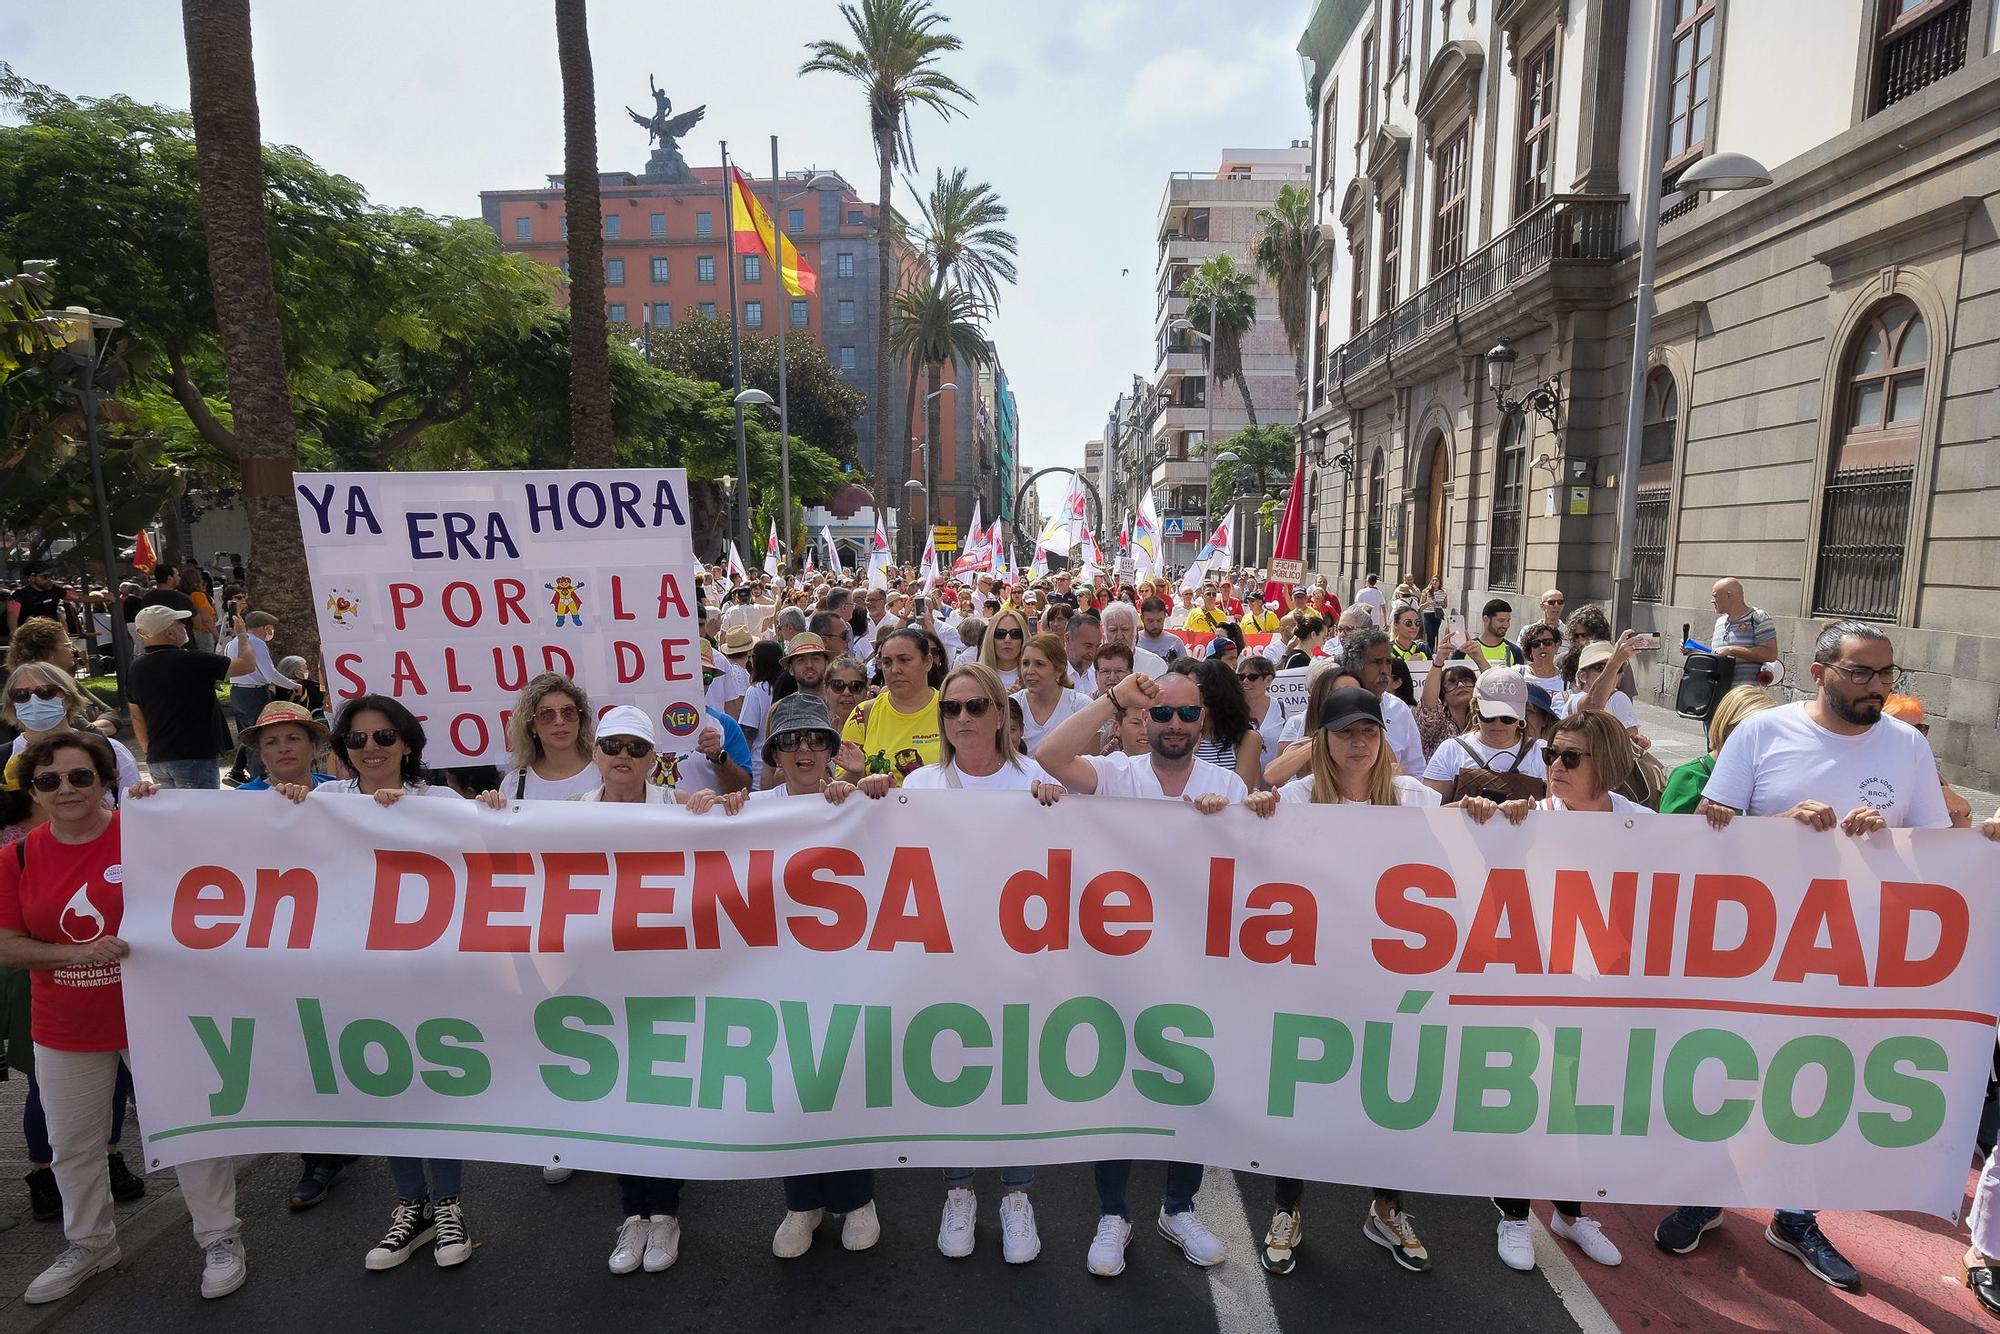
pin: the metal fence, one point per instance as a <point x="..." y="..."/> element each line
<point x="1649" y="547"/>
<point x="1864" y="527"/>
<point x="1926" y="52"/>
<point x="1503" y="565"/>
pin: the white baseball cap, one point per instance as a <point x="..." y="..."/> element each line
<point x="628" y="720"/>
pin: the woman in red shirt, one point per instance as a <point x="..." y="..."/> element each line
<point x="62" y="896"/>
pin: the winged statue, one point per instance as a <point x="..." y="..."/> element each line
<point x="663" y="126"/>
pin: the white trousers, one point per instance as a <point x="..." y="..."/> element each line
<point x="1984" y="1220"/>
<point x="76" y="1094"/>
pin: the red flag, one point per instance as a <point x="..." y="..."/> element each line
<point x="143" y="559"/>
<point x="1287" y="570"/>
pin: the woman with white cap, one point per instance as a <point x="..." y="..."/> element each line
<point x="799" y="748"/>
<point x="973" y="753"/>
<point x="1497" y="759"/>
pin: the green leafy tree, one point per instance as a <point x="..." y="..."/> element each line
<point x="962" y="238"/>
<point x="1220" y="285"/>
<point x="1265" y="459"/>
<point x="1283" y="253"/>
<point x="820" y="407"/>
<point x="934" y="327"/>
<point x="893" y="53"/>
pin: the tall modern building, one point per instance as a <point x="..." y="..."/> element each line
<point x="1816" y="393"/>
<point x="666" y="259"/>
<point x="1203" y="214"/>
<point x="999" y="443"/>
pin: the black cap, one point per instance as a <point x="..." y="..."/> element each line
<point x="1343" y="708"/>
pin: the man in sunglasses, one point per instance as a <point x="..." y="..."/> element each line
<point x="1169" y="771"/>
<point x="175" y="714"/>
<point x="1552" y="605"/>
<point x="1833" y="760"/>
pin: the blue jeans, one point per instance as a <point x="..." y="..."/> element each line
<point x="445" y="1177"/>
<point x="1011" y="1178"/>
<point x="186" y="773"/>
<point x="1183" y="1180"/>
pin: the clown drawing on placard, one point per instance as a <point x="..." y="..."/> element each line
<point x="566" y="600"/>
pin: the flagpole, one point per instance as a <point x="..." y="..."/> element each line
<point x="784" y="318"/>
<point x="736" y="355"/>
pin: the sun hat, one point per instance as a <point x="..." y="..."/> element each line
<point x="796" y="713"/>
<point x="155" y="619"/>
<point x="1594" y="655"/>
<point x="803" y="643"/>
<point x="284" y="711"/>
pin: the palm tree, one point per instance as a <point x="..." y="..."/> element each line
<point x="962" y="235"/>
<point x="1219" y="283"/>
<point x="893" y="56"/>
<point x="590" y="359"/>
<point x="938" y="326"/>
<point x="222" y="95"/>
<point x="1283" y="254"/>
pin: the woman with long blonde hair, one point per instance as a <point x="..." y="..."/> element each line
<point x="549" y="739"/>
<point x="1685" y="783"/>
<point x="1045" y="696"/>
<point x="1006" y="639"/>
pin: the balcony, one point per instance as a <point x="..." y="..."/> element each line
<point x="1561" y="254"/>
<point x="1177" y="363"/>
<point x="1180" y="250"/>
<point x="1917" y="54"/>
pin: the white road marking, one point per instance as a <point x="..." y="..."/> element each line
<point x="1239" y="1288"/>
<point x="1553" y="1261"/>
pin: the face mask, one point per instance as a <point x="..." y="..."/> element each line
<point x="42" y="715"/>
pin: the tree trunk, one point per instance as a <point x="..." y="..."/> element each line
<point x="590" y="360"/>
<point x="889" y="456"/>
<point x="222" y="94"/>
<point x="1243" y="388"/>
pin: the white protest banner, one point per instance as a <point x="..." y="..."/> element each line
<point x="449" y="591"/>
<point x="1288" y="688"/>
<point x="1593" y="1007"/>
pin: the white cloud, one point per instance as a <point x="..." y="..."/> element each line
<point x="1098" y="22"/>
<point x="1185" y="83"/>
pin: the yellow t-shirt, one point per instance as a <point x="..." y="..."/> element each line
<point x="1200" y="622"/>
<point x="1260" y="622"/>
<point x="895" y="743"/>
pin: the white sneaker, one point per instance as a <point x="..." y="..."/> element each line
<point x="663" y="1242"/>
<point x="955" y="1232"/>
<point x="1587" y="1235"/>
<point x="795" y="1234"/>
<point x="1517" y="1244"/>
<point x="224" y="1266"/>
<point x="1107" y="1248"/>
<point x="67" y="1274"/>
<point x="861" y="1228"/>
<point x="555" y="1176"/>
<point x="1186" y="1230"/>
<point x="630" y="1247"/>
<point x="1019" y="1241"/>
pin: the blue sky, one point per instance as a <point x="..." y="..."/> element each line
<point x="1084" y="108"/>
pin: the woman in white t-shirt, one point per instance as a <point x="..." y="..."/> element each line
<point x="549" y="736"/>
<point x="1001" y="646"/>
<point x="1598" y="667"/>
<point x="1351" y="763"/>
<point x="1257" y="673"/>
<point x="973" y="753"/>
<point x="1587" y="756"/>
<point x="1540" y="646"/>
<point x="1045" y="697"/>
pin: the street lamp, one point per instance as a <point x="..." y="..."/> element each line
<point x="819" y="180"/>
<point x="1186" y="326"/>
<point x="728" y="485"/>
<point x="1545" y="399"/>
<point x="757" y="398"/>
<point x="1722" y="171"/>
<point x="948" y="387"/>
<point x="80" y="368"/>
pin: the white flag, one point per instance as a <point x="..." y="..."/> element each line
<point x="878" y="559"/>
<point x="832" y="551"/>
<point x="771" y="551"/>
<point x="1146" y="539"/>
<point x="737" y="573"/>
<point x="929" y="570"/>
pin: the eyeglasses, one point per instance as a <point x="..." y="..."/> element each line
<point x="1165" y="713"/>
<point x="1552" y="602"/>
<point x="80" y="779"/>
<point x="1008" y="634"/>
<point x="791" y="741"/>
<point x="1568" y="759"/>
<point x="384" y="737"/>
<point x="1533" y="644"/>
<point x="637" y="747"/>
<point x="21" y="694"/>
<point x="976" y="708"/>
<point x="565" y="714"/>
<point x="1859" y="676"/>
<point x="846" y="687"/>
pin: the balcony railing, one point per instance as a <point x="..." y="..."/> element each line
<point x="1923" y="53"/>
<point x="1649" y="547"/>
<point x="1566" y="228"/>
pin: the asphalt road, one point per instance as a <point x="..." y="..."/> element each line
<point x="542" y="1249"/>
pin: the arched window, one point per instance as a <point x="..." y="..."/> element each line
<point x="1865" y="515"/>
<point x="1378" y="484"/>
<point x="1659" y="427"/>
<point x="1510" y="501"/>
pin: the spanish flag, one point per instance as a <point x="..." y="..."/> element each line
<point x="754" y="232"/>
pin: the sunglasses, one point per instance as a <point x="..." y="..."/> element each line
<point x="21" y="694"/>
<point x="1165" y="713"/>
<point x="1568" y="759"/>
<point x="977" y="708"/>
<point x="1255" y="676"/>
<point x="1553" y="602"/>
<point x="637" y="747"/>
<point x="846" y="687"/>
<point x="806" y="740"/>
<point x="565" y="714"/>
<point x="1008" y="634"/>
<point x="1534" y="644"/>
<point x="384" y="737"/>
<point x="81" y="779"/>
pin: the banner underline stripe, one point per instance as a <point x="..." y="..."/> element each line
<point x="644" y="1141"/>
<point x="1739" y="1007"/>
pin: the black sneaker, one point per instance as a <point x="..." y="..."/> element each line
<point x="316" y="1179"/>
<point x="1680" y="1231"/>
<point x="1802" y="1238"/>
<point x="411" y="1225"/>
<point x="125" y="1187"/>
<point x="44" y="1199"/>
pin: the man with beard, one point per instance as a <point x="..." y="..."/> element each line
<point x="1169" y="771"/>
<point x="1833" y="760"/>
<point x="805" y="668"/>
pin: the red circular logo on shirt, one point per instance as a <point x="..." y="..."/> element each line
<point x="680" y="719"/>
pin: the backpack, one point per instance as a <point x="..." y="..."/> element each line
<point x="1483" y="780"/>
<point x="1647" y="782"/>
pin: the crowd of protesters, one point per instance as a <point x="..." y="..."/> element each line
<point x="837" y="689"/>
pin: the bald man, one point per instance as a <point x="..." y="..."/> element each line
<point x="1744" y="634"/>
